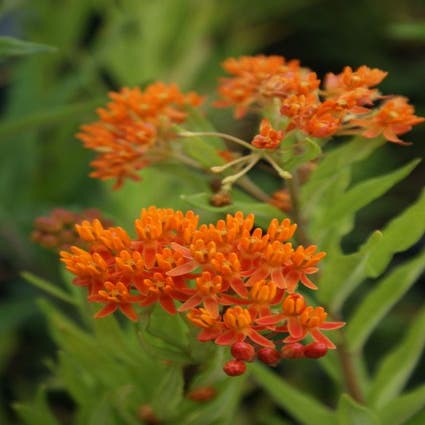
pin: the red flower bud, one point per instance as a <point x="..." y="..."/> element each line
<point x="243" y="351"/>
<point x="234" y="367"/>
<point x="202" y="394"/>
<point x="294" y="350"/>
<point x="269" y="356"/>
<point x="315" y="350"/>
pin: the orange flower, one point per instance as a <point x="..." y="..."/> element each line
<point x="311" y="321"/>
<point x="208" y="289"/>
<point x="115" y="296"/>
<point x="134" y="130"/>
<point x="229" y="276"/>
<point x="394" y="117"/>
<point x="238" y="326"/>
<point x="349" y="79"/>
<point x="258" y="79"/>
<point x="269" y="138"/>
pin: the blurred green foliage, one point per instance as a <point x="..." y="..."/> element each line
<point x="64" y="58"/>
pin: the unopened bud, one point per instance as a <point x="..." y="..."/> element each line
<point x="315" y="350"/>
<point x="294" y="350"/>
<point x="243" y="351"/>
<point x="234" y="368"/>
<point x="269" y="356"/>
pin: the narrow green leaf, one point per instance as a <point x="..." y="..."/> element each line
<point x="10" y="47"/>
<point x="159" y="349"/>
<point x="350" y="412"/>
<point x="399" y="235"/>
<point x="48" y="287"/>
<point x="311" y="151"/>
<point x="40" y="118"/>
<point x="260" y="209"/>
<point x="338" y="219"/>
<point x="343" y="273"/>
<point x="169" y="392"/>
<point x="78" y="382"/>
<point x="380" y="299"/>
<point x="396" y="368"/>
<point x="36" y="412"/>
<point x="201" y="150"/>
<point x="221" y="410"/>
<point x="301" y="406"/>
<point x="402" y="408"/>
<point x="171" y="329"/>
<point x="334" y="164"/>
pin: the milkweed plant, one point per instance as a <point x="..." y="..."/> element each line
<point x="189" y="311"/>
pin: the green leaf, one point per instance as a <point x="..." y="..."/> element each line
<point x="399" y="235"/>
<point x="380" y="299"/>
<point x="311" y="151"/>
<point x="39" y="118"/>
<point x="36" y="412"/>
<point x="201" y="150"/>
<point x="338" y="218"/>
<point x="396" y="368"/>
<point x="301" y="406"/>
<point x="350" y="412"/>
<point x="343" y="273"/>
<point x="335" y="164"/>
<point x="169" y="392"/>
<point x="48" y="287"/>
<point x="10" y="47"/>
<point x="159" y="349"/>
<point x="263" y="212"/>
<point x="221" y="410"/>
<point x="170" y="328"/>
<point x="402" y="408"/>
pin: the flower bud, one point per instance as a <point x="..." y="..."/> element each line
<point x="294" y="350"/>
<point x="234" y="367"/>
<point x="202" y="394"/>
<point x="268" y="356"/>
<point x="315" y="350"/>
<point x="243" y="351"/>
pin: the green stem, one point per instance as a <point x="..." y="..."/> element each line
<point x="217" y="134"/>
<point x="293" y="188"/>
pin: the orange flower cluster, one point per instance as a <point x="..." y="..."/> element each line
<point x="268" y="138"/>
<point x="237" y="283"/>
<point x="56" y="231"/>
<point x="134" y="130"/>
<point x="345" y="105"/>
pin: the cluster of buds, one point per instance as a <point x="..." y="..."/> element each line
<point x="56" y="231"/>
<point x="235" y="282"/>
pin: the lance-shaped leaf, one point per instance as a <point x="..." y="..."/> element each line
<point x="36" y="412"/>
<point x="338" y="218"/>
<point x="334" y="164"/>
<point x="380" y="299"/>
<point x="169" y="392"/>
<point x="399" y="235"/>
<point x="396" y="368"/>
<point x="404" y="407"/>
<point x="342" y="274"/>
<point x="10" y="47"/>
<point x="311" y="150"/>
<point x="49" y="287"/>
<point x="263" y="212"/>
<point x="350" y="412"/>
<point x="301" y="406"/>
